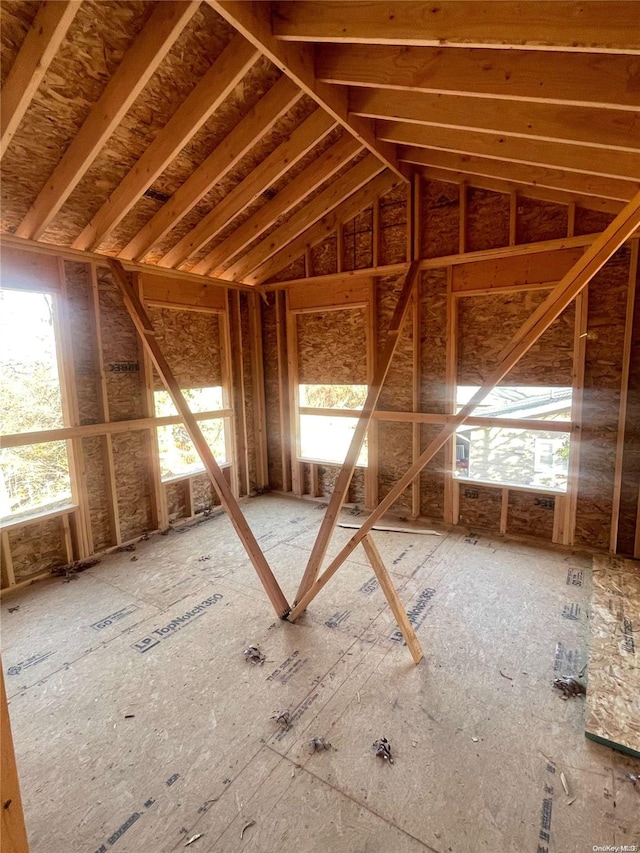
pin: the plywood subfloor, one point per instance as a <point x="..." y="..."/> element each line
<point x="613" y="698"/>
<point x="138" y="723"/>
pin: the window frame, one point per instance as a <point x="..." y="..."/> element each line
<point x="17" y="519"/>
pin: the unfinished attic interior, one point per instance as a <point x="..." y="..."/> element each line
<point x="320" y="426"/>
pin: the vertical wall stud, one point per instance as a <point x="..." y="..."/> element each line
<point x="257" y="375"/>
<point x="451" y="364"/>
<point x="624" y="394"/>
<point x="103" y="411"/>
<point x="283" y="386"/>
<point x="159" y="511"/>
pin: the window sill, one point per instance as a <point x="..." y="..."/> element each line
<point x="12" y="522"/>
<point x="178" y="478"/>
<point x="308" y="460"/>
<point x="543" y="490"/>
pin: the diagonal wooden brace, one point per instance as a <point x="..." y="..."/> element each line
<point x="578" y="277"/>
<point x="145" y="330"/>
<point x="391" y="594"/>
<point x="346" y="472"/>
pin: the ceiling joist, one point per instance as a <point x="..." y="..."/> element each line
<point x="41" y="44"/>
<point x="139" y="63"/>
<point x="604" y="26"/>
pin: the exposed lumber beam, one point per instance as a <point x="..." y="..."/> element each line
<point x="248" y="267"/>
<point x="323" y="168"/>
<point x="138" y="65"/>
<point x="147" y="334"/>
<point x="559" y="298"/>
<point x="273" y="167"/>
<point x="247" y="133"/>
<point x="540" y="176"/>
<point x="36" y="248"/>
<point x="41" y="44"/>
<point x="253" y="20"/>
<point x="547" y="122"/>
<point x="328" y="224"/>
<point x="393" y="600"/>
<point x="207" y="95"/>
<point x="373" y="395"/>
<point x="624" y="395"/>
<point x="579" y="79"/>
<point x="605" y="27"/>
<point x="557" y="155"/>
<point x="502" y="185"/>
<point x="13" y="833"/>
<point x="23" y="439"/>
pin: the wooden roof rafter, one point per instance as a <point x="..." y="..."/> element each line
<point x="253" y="20"/>
<point x="289" y="152"/>
<point x="41" y="44"/>
<point x="319" y="171"/>
<point x="347" y="209"/>
<point x="603" y="26"/>
<point x="599" y="128"/>
<point x="540" y="176"/>
<point x="134" y="72"/>
<point x="254" y="126"/>
<point x="564" y="79"/>
<point x="207" y="95"/>
<point x="569" y="158"/>
<point x="248" y="267"/>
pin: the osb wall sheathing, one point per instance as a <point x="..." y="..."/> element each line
<point x="392" y="246"/>
<point x="36" y="548"/>
<point x="487" y="323"/>
<point x="394" y="439"/>
<point x="327" y="476"/>
<point x="480" y="506"/>
<point x="332" y="347"/>
<point x="176" y="497"/>
<point x="540" y="220"/>
<point x="440" y="217"/>
<point x="204" y="495"/>
<point x="603" y="371"/>
<point x="124" y="392"/>
<point x="190" y="341"/>
<point x="324" y="256"/>
<point x="487" y="224"/>
<point x="531" y="514"/>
